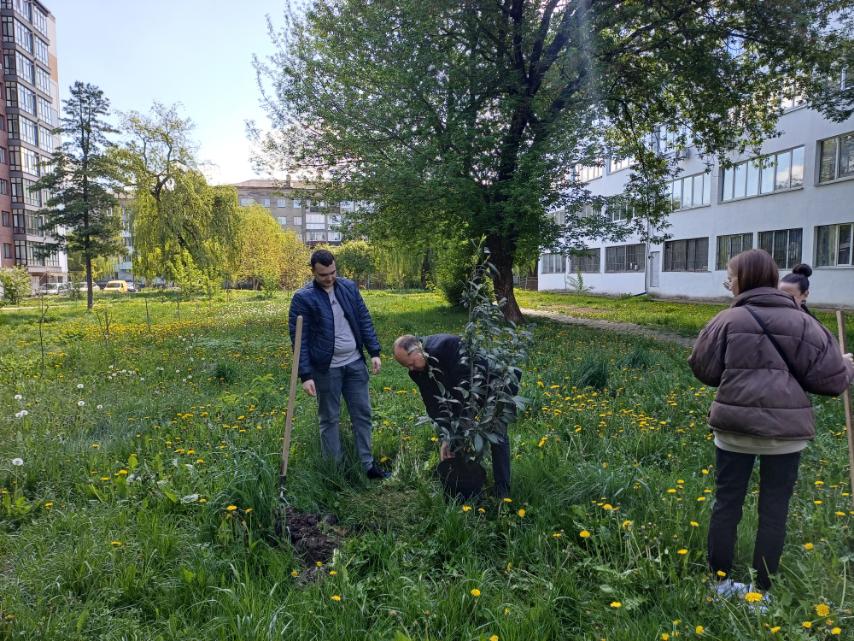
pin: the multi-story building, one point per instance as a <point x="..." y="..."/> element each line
<point x="314" y="221"/>
<point x="795" y="199"/>
<point x="30" y="109"/>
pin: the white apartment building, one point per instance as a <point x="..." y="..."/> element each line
<point x="795" y="200"/>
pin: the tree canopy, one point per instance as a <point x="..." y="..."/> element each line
<point x="470" y="118"/>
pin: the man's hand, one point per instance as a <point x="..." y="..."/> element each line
<point x="445" y="451"/>
<point x="849" y="357"/>
<point x="376" y="364"/>
<point x="309" y="388"/>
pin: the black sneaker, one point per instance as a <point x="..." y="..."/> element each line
<point x="376" y="472"/>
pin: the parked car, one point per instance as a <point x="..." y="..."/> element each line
<point x="101" y="282"/>
<point x="50" y="289"/>
<point x="116" y="287"/>
<point x="131" y="286"/>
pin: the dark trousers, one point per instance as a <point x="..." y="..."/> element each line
<point x="777" y="476"/>
<point x="501" y="466"/>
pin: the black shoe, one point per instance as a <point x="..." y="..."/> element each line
<point x="376" y="472"/>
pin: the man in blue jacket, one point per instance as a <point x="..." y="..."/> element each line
<point x="336" y="328"/>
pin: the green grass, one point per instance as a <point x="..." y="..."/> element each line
<point x="116" y="527"/>
<point x="680" y="317"/>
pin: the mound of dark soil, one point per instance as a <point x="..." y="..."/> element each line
<point x="314" y="536"/>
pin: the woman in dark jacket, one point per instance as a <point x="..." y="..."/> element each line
<point x="797" y="283"/>
<point x="763" y="354"/>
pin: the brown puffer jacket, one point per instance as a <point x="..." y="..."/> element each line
<point x="757" y="394"/>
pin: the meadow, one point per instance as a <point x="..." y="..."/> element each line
<point x="139" y="451"/>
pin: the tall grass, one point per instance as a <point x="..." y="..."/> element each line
<point x="118" y="524"/>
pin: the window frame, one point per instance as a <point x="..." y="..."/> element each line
<point x="623" y="267"/>
<point x="788" y="264"/>
<point x="833" y="249"/>
<point x="690" y="245"/>
<point x="837" y="159"/>
<point x="742" y="170"/>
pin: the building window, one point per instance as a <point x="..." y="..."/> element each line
<point x="334" y="237"/>
<point x="23" y="36"/>
<point x="553" y="264"/>
<point x="690" y="255"/>
<point x="39" y="21"/>
<point x="586" y="173"/>
<point x="784" y="245"/>
<point x="31" y="197"/>
<point x="26" y="100"/>
<point x="836" y="157"/>
<point x="587" y="261"/>
<point x="729" y="246"/>
<point x="625" y="258"/>
<point x="618" y="164"/>
<point x="7" y="218"/>
<point x="298" y="221"/>
<point x="30" y="162"/>
<point x="29" y="131"/>
<point x="7" y="250"/>
<point x="833" y="245"/>
<point x="25" y="68"/>
<point x="315" y="236"/>
<point x="283" y="220"/>
<point x="297" y="204"/>
<point x="42" y="52"/>
<point x="47" y="112"/>
<point x="266" y="202"/>
<point x="3" y="157"/>
<point x="43" y="81"/>
<point x="764" y="174"/>
<point x="4" y="187"/>
<point x="281" y="203"/>
<point x="691" y="191"/>
<point x="245" y="202"/>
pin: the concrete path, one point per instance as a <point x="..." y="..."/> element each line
<point x="612" y="326"/>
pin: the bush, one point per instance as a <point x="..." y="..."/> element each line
<point x="455" y="261"/>
<point x="16" y="284"/>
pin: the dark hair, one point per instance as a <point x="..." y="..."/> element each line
<point x="322" y="256"/>
<point x="754" y="268"/>
<point x="800" y="276"/>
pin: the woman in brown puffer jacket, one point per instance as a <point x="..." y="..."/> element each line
<point x="763" y="354"/>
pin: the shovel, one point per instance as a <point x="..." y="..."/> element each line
<point x="282" y="504"/>
<point x="846" y="399"/>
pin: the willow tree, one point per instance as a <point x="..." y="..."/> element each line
<point x="470" y="116"/>
<point x="182" y="225"/>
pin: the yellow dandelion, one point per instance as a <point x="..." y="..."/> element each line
<point x="116" y="544"/>
<point x="665" y="636"/>
<point x="507" y="499"/>
<point x="607" y="507"/>
<point x="466" y="508"/>
<point x="808" y="546"/>
<point x="616" y="604"/>
<point x="335" y="597"/>
<point x="627" y="524"/>
<point x="231" y="508"/>
<point x="701" y="499"/>
<point x="699" y="629"/>
<point x="474" y="592"/>
<point x="556" y="535"/>
<point x="753" y="597"/>
<point x="333" y="572"/>
<point x="318" y="564"/>
<point x="836" y="631"/>
<point x="294" y="573"/>
<point x="807" y="624"/>
<point x="694" y="524"/>
<point x="682" y="551"/>
<point x="822" y="609"/>
<point x="584" y="534"/>
<point x="521" y="513"/>
<point x="494" y="637"/>
<point x="775" y="629"/>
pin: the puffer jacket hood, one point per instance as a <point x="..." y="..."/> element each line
<point x="757" y="393"/>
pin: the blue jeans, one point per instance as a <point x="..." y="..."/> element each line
<point x="351" y="382"/>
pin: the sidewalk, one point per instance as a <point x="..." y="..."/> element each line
<point x="612" y="326"/>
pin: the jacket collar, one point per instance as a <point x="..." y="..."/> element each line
<point x="764" y="297"/>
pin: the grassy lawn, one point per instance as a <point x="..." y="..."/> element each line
<point x="135" y="444"/>
<point x="683" y="318"/>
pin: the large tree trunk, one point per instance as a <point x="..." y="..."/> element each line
<point x="89" y="297"/>
<point x="501" y="258"/>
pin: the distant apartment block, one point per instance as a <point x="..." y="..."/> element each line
<point x="314" y="221"/>
<point x="30" y="109"/>
<point x="795" y="199"/>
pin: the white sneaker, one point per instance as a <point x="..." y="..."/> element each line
<point x="728" y="589"/>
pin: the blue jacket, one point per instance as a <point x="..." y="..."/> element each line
<point x="318" y="324"/>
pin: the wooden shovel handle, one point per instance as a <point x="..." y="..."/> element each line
<point x="846" y="400"/>
<point x="292" y="393"/>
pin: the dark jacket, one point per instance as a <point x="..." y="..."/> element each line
<point x="757" y="393"/>
<point x="449" y="374"/>
<point x="318" y="324"/>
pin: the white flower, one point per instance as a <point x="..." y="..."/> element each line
<point x="21" y="414"/>
<point x="81" y="403"/>
<point x="141" y="379"/>
<point x="17" y="462"/>
<point x="79" y="385"/>
<point x="18" y="397"/>
<point x="99" y="407"/>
